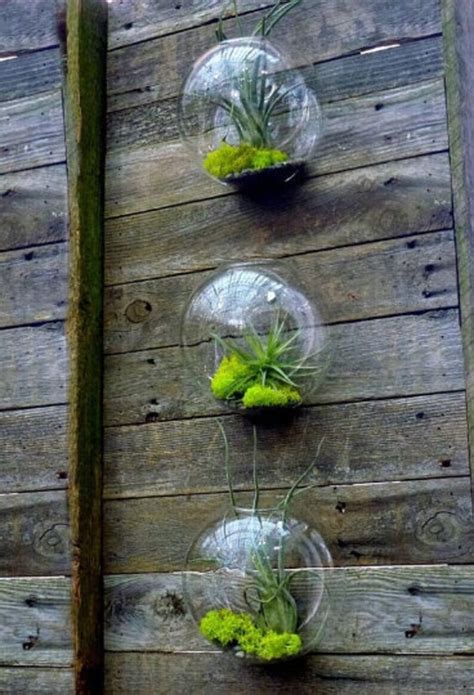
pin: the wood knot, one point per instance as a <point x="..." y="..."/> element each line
<point x="53" y="541"/>
<point x="138" y="311"/>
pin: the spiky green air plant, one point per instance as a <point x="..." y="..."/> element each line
<point x="266" y="371"/>
<point x="259" y="99"/>
<point x="269" y="629"/>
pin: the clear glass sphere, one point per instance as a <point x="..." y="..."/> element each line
<point x="243" y="92"/>
<point x="268" y="570"/>
<point x="253" y="338"/>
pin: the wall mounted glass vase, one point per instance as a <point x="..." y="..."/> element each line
<point x="256" y="584"/>
<point x="254" y="339"/>
<point x="248" y="117"/>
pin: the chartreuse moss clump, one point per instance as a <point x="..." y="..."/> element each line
<point x="259" y="396"/>
<point x="239" y="630"/>
<point x="227" y="160"/>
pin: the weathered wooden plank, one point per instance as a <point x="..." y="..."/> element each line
<point x="42" y="681"/>
<point x="326" y="675"/>
<point x="383" y="278"/>
<point x="313" y="32"/>
<point x="365" y="130"/>
<point x="386" y="200"/>
<point x="459" y="50"/>
<point x="369" y="524"/>
<point x="33" y="285"/>
<point x="34" y="534"/>
<point x="372" y="610"/>
<point x="34" y="366"/>
<point x="34" y="626"/>
<point x="30" y="73"/>
<point x="143" y="119"/>
<point x="33" y="449"/>
<point x="32" y="131"/>
<point x="421" y="437"/>
<point x="33" y="207"/>
<point x="85" y="121"/>
<point x="401" y="356"/>
<point x="27" y="31"/>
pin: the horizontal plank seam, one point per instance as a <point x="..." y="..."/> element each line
<point x="299" y="254"/>
<point x="32" y="324"/>
<point x="268" y="488"/>
<point x="345" y="322"/>
<point x="33" y="168"/>
<point x="309" y="178"/>
<point x="407" y="655"/>
<point x="28" y="491"/>
<point x="27" y="51"/>
<point x="172" y="98"/>
<point x="39" y="245"/>
<point x="372" y="399"/>
<point x="33" y="407"/>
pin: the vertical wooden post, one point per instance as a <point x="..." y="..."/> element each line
<point x="85" y="120"/>
<point x="458" y="27"/>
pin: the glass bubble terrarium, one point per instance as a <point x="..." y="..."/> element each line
<point x="253" y="338"/>
<point x="247" y="115"/>
<point x="256" y="580"/>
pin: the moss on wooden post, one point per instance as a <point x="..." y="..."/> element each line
<point x="458" y="27"/>
<point x="85" y="119"/>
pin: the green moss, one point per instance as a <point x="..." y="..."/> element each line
<point x="257" y="396"/>
<point x="238" y="629"/>
<point x="230" y="374"/>
<point x="231" y="159"/>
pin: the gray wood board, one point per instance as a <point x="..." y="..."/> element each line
<point x="202" y="674"/>
<point x="33" y="285"/>
<point x="27" y="31"/>
<point x="34" y="366"/>
<point x="32" y="132"/>
<point x="385" y="200"/>
<point x="420" y="522"/>
<point x="30" y="73"/>
<point x="400" y="356"/>
<point x="313" y="32"/>
<point x="33" y="449"/>
<point x="140" y="116"/>
<point x="421" y="437"/>
<point x="34" y="534"/>
<point x="34" y="627"/>
<point x="41" y="681"/>
<point x="365" y="130"/>
<point x="372" y="610"/>
<point x="357" y="282"/>
<point x="33" y="207"/>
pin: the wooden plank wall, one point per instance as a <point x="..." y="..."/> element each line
<point x="372" y="225"/>
<point x="35" y="642"/>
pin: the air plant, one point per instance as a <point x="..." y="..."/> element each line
<point x="266" y="371"/>
<point x="268" y="629"/>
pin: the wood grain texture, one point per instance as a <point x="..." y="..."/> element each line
<point x="357" y="282"/>
<point x="32" y="131"/>
<point x="372" y="610"/>
<point x="313" y="32"/>
<point x="418" y="522"/>
<point x="138" y="116"/>
<point x="33" y="285"/>
<point x="30" y="73"/>
<point x="386" y="200"/>
<point x="33" y="453"/>
<point x="27" y="31"/>
<point x="406" y="355"/>
<point x="42" y="681"/>
<point x="202" y="674"/>
<point x="33" y="207"/>
<point x="34" y="627"/>
<point x="423" y="437"/>
<point x="85" y="121"/>
<point x="459" y="52"/>
<point x="34" y="534"/>
<point x="373" y="128"/>
<point x="34" y="366"/>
